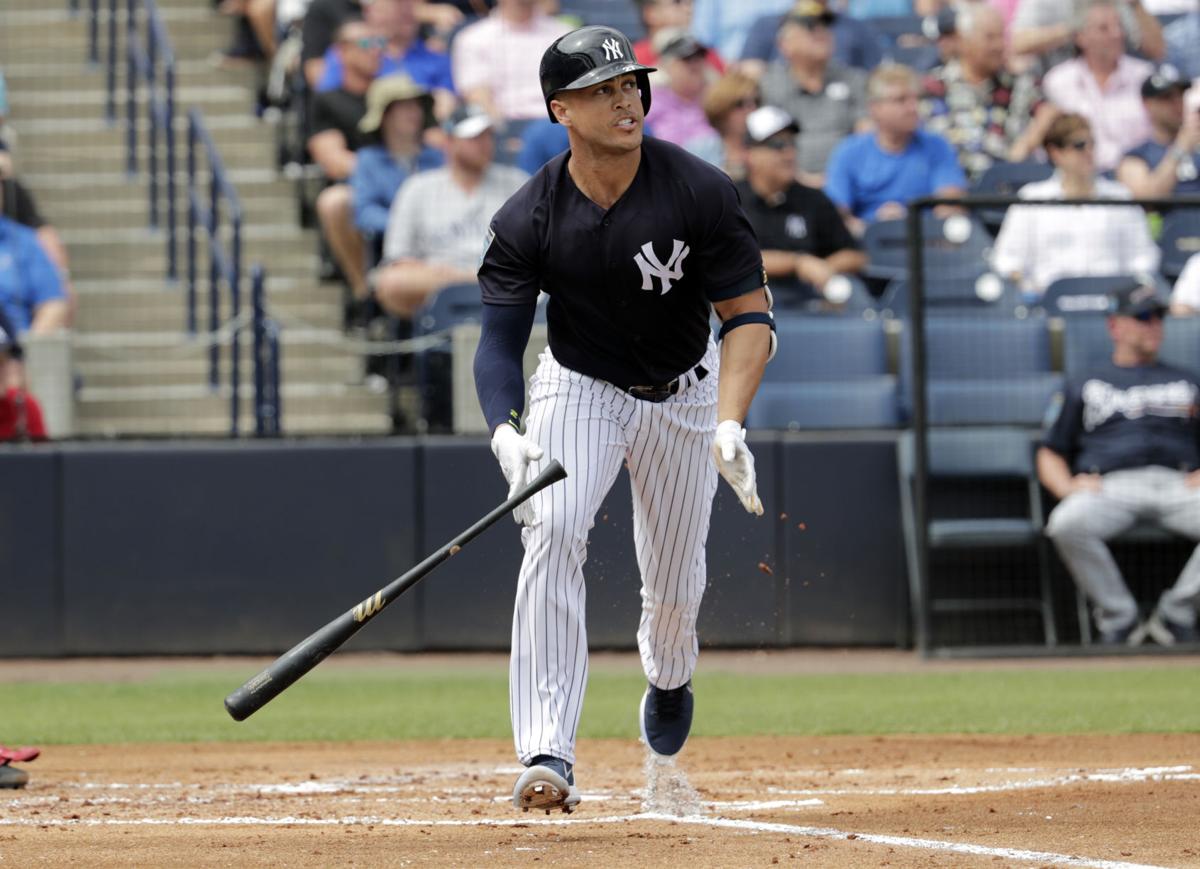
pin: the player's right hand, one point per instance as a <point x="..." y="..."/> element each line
<point x="736" y="464"/>
<point x="514" y="451"/>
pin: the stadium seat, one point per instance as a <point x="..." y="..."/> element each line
<point x="986" y="294"/>
<point x="897" y="27"/>
<point x="621" y="14"/>
<point x="981" y="492"/>
<point x="1068" y="297"/>
<point x="921" y="58"/>
<point x="955" y="246"/>
<point x="1005" y="179"/>
<point x="828" y="373"/>
<point x="984" y="371"/>
<point x="1180" y="240"/>
<point x="455" y="304"/>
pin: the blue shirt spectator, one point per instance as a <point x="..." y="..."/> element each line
<point x="28" y="279"/>
<point x="376" y="178"/>
<point x="1183" y="44"/>
<point x="429" y="69"/>
<point x="854" y="42"/>
<point x="862" y="176"/>
<point x="541" y="141"/>
<point x="724" y="25"/>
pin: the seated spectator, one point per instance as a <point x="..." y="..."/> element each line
<point x="1103" y="84"/>
<point x="1185" y="299"/>
<point x="985" y="112"/>
<point x="666" y="15"/>
<point x="334" y="142"/>
<point x="400" y="111"/>
<point x="726" y="105"/>
<point x="319" y="31"/>
<point x="854" y="43"/>
<point x="1044" y="32"/>
<point x="803" y="239"/>
<point x="19" y="204"/>
<point x="1038" y="244"/>
<point x="1169" y="161"/>
<point x="20" y="419"/>
<point x="873" y="176"/>
<point x="31" y="293"/>
<point x="541" y="141"/>
<point x="404" y="53"/>
<point x="677" y="111"/>
<point x="496" y="60"/>
<point x="807" y="83"/>
<point x="1123" y="450"/>
<point x="725" y="25"/>
<point x="1183" y="44"/>
<point x="439" y="218"/>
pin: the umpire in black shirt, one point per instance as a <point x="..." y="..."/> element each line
<point x="803" y="238"/>
<point x="1125" y="447"/>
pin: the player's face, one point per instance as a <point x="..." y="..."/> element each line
<point x="607" y="115"/>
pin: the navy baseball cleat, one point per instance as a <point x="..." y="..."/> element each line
<point x="666" y="718"/>
<point x="548" y="783"/>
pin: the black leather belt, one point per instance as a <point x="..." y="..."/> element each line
<point x="662" y="393"/>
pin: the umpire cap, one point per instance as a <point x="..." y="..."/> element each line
<point x="588" y="56"/>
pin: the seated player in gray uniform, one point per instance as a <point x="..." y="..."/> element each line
<point x="635" y="242"/>
<point x="1124" y="449"/>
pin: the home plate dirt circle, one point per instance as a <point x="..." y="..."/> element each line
<point x="1095" y="801"/>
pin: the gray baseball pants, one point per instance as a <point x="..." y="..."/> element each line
<point x="1082" y="522"/>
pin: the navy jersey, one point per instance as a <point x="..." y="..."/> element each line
<point x="1129" y="417"/>
<point x="630" y="288"/>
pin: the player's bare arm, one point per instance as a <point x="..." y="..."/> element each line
<point x="744" y="353"/>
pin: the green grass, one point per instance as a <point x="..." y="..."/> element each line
<point x="346" y="703"/>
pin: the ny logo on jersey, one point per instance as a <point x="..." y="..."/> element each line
<point x="651" y="268"/>
<point x="612" y="50"/>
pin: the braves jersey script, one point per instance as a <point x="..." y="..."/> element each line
<point x="629" y="290"/>
<point x="629" y="287"/>
<point x="1129" y="417"/>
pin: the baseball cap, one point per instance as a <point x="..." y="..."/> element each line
<point x="389" y="89"/>
<point x="467" y="122"/>
<point x="768" y="121"/>
<point x="679" y="44"/>
<point x="811" y="10"/>
<point x="1137" y="297"/>
<point x="1163" y="80"/>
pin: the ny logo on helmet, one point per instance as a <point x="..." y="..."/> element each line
<point x="651" y="268"/>
<point x="612" y="50"/>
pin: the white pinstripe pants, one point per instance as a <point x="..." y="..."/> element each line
<point x="592" y="428"/>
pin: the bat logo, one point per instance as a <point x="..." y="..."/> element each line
<point x="368" y="607"/>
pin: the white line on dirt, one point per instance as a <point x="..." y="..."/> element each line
<point x="722" y="823"/>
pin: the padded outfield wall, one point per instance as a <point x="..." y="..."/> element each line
<point x="246" y="547"/>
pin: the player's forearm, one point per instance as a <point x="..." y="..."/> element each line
<point x="743" y="357"/>
<point x="499" y="376"/>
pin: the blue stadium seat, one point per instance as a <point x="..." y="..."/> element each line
<point x="922" y="58"/>
<point x="828" y="373"/>
<point x="621" y="14"/>
<point x="1005" y="179"/>
<point x="1067" y="297"/>
<point x="456" y="303"/>
<point x="990" y="460"/>
<point x="955" y="296"/>
<point x="985" y="371"/>
<point x="894" y="27"/>
<point x="959" y="255"/>
<point x="1180" y="240"/>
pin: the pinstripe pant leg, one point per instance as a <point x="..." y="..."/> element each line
<point x="576" y="420"/>
<point x="673" y="479"/>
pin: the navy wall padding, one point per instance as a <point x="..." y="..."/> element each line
<point x="30" y="566"/>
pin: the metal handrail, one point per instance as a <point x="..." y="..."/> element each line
<point x="268" y="410"/>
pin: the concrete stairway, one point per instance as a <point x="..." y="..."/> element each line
<point x="138" y="371"/>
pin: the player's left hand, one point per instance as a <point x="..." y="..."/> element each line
<point x="736" y="464"/>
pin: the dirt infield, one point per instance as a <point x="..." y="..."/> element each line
<point x="1111" y="801"/>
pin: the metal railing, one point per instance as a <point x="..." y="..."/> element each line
<point x="268" y="402"/>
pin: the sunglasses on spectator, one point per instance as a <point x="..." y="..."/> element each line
<point x="814" y="23"/>
<point x="369" y="43"/>
<point x="779" y="143"/>
<point x="1148" y="316"/>
<point x="1080" y="144"/>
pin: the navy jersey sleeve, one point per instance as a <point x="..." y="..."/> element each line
<point x="1065" y="423"/>
<point x="728" y="255"/>
<point x="508" y="272"/>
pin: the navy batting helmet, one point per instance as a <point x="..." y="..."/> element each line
<point x="588" y="56"/>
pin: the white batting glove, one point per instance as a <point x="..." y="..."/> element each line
<point x="514" y="451"/>
<point x="736" y="464"/>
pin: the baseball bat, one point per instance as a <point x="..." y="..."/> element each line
<point x="302" y="657"/>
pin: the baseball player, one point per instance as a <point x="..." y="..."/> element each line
<point x="635" y="242"/>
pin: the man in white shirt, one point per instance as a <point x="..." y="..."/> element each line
<point x="495" y="61"/>
<point x="1185" y="299"/>
<point x="1040" y="243"/>
<point x="439" y="219"/>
